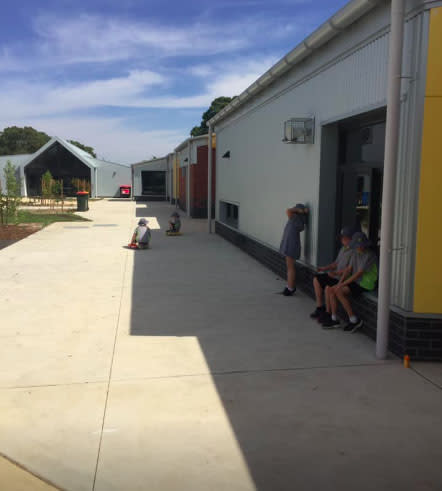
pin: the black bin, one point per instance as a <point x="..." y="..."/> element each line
<point x="82" y="201"/>
<point x="125" y="191"/>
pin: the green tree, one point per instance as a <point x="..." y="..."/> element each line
<point x="10" y="199"/>
<point x="87" y="149"/>
<point x="15" y="140"/>
<point x="216" y="106"/>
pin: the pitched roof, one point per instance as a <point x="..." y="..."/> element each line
<point x="346" y="16"/>
<point x="82" y="155"/>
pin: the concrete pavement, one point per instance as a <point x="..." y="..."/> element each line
<point x="178" y="368"/>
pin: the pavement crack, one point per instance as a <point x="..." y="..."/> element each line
<point x="110" y="369"/>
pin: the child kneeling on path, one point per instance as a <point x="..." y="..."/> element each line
<point x="291" y="244"/>
<point x="361" y="276"/>
<point x="141" y="236"/>
<point x="330" y="275"/>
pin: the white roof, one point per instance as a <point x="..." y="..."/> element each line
<point x="151" y="161"/>
<point x="191" y="139"/>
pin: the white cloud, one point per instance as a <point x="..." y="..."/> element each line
<point x="110" y="138"/>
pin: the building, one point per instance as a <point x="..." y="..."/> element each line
<point x="192" y="184"/>
<point x="153" y="179"/>
<point x="312" y="129"/>
<point x="67" y="162"/>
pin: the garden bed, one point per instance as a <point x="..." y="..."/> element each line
<point x="27" y="223"/>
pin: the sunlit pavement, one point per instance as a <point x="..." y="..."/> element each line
<point x="179" y="368"/>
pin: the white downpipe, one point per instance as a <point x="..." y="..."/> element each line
<point x="390" y="165"/>
<point x="209" y="180"/>
<point x="96" y="181"/>
<point x="188" y="180"/>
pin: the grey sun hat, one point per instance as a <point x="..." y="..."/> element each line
<point x="175" y="214"/>
<point x="300" y="205"/>
<point x="359" y="239"/>
<point x="142" y="221"/>
<point x="347" y="232"/>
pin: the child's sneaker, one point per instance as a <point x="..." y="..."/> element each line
<point x="353" y="326"/>
<point x="324" y="317"/>
<point x="331" y="324"/>
<point x="287" y="292"/>
<point x="317" y="313"/>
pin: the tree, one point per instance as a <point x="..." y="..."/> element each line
<point x="10" y="200"/>
<point x="216" y="106"/>
<point x="15" y="140"/>
<point x="87" y="149"/>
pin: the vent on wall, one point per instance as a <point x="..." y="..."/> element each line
<point x="299" y="130"/>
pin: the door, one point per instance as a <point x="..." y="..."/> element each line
<point x="361" y="200"/>
<point x="153" y="183"/>
<point x="360" y="175"/>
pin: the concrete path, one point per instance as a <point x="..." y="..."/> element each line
<point x="178" y="368"/>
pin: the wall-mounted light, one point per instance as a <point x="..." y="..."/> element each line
<point x="226" y="155"/>
<point x="299" y="130"/>
<point x="186" y="160"/>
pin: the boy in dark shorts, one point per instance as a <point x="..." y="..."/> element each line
<point x="330" y="275"/>
<point x="361" y="276"/>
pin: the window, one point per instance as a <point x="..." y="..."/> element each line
<point x="229" y="213"/>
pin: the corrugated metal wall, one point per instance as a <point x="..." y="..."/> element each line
<point x="264" y="176"/>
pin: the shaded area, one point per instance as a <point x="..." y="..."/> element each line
<point x="309" y="409"/>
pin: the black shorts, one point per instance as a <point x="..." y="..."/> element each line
<point x="356" y="290"/>
<point x="326" y="280"/>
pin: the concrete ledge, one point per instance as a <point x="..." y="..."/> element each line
<point x="418" y="336"/>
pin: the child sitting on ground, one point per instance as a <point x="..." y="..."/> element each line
<point x="141" y="236"/>
<point x="174" y="223"/>
<point x="330" y="275"/>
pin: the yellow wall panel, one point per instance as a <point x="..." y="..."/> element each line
<point x="434" y="73"/>
<point x="428" y="274"/>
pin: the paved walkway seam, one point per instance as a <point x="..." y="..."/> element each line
<point x="110" y="369"/>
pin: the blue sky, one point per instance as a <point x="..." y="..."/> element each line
<point x="131" y="77"/>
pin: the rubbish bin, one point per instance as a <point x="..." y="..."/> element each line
<point x="125" y="191"/>
<point x="82" y="201"/>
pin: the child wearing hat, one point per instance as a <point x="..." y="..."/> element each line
<point x="141" y="236"/>
<point x="174" y="223"/>
<point x="330" y="275"/>
<point x="361" y="276"/>
<point x="291" y="244"/>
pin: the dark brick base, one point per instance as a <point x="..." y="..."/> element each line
<point x="419" y="337"/>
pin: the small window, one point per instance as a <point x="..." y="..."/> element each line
<point x="229" y="213"/>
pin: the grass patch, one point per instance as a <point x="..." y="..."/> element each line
<point x="25" y="216"/>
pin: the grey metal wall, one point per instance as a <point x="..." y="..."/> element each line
<point x="110" y="177"/>
<point x="152" y="165"/>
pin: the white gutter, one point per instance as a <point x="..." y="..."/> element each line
<point x="327" y="31"/>
<point x="389" y="179"/>
<point x="209" y="179"/>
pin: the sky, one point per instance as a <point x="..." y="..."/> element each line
<point x="132" y="77"/>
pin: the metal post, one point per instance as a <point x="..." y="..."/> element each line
<point x="209" y="179"/>
<point x="390" y="165"/>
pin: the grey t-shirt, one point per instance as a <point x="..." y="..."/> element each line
<point x="142" y="234"/>
<point x="343" y="258"/>
<point x="362" y="261"/>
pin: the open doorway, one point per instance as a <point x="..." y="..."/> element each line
<point x="360" y="173"/>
